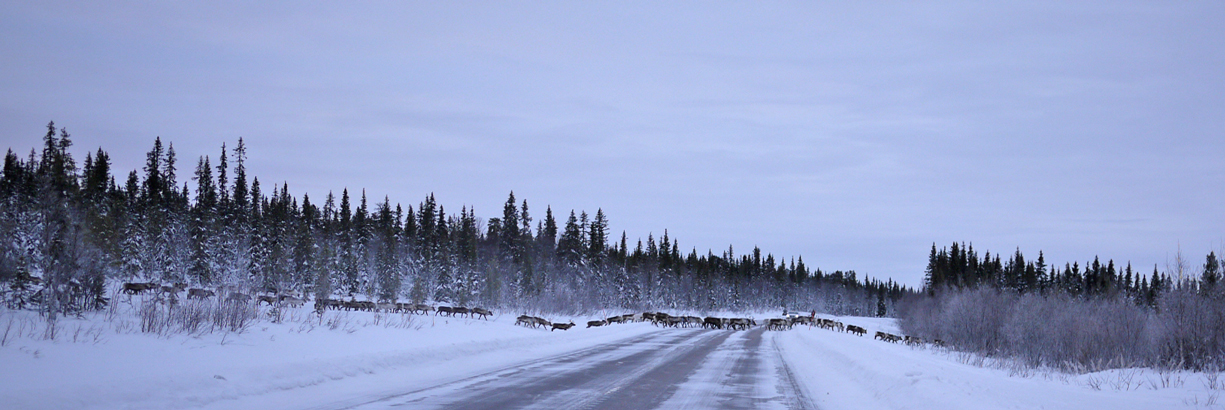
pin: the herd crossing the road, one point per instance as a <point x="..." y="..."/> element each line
<point x="276" y="299"/>
<point x="660" y="319"/>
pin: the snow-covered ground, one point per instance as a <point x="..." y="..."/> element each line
<point x="304" y="363"/>
<point x="844" y="371"/>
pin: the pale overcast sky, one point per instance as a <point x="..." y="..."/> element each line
<point x="855" y="134"/>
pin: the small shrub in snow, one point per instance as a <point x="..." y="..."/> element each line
<point x="195" y="317"/>
<point x="1212" y="380"/>
<point x="1071" y="333"/>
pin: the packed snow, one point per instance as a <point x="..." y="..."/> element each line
<point x="364" y="360"/>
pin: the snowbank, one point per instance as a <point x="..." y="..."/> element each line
<point x="139" y="371"/>
<point x="844" y="371"/>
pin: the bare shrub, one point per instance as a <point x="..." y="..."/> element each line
<point x="1094" y="382"/>
<point x="338" y="320"/>
<point x="1192" y="330"/>
<point x="1212" y="379"/>
<point x="195" y="316"/>
<point x="235" y="316"/>
<point x="1125" y="380"/>
<point x="1056" y="331"/>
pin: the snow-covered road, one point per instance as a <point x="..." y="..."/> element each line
<point x="458" y="363"/>
<point x="673" y="368"/>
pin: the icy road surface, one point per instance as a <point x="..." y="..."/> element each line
<point x="686" y="368"/>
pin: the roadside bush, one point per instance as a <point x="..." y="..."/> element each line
<point x="1191" y="330"/>
<point x="163" y="317"/>
<point x="1063" y="332"/>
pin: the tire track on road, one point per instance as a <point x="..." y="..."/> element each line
<point x="508" y="369"/>
<point x="792" y="385"/>
<point x="581" y="379"/>
<point x="744" y="373"/>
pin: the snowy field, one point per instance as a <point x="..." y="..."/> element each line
<point x="371" y="361"/>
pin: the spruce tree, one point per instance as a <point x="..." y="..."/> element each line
<point x="1212" y="273"/>
<point x="569" y="247"/>
<point x="598" y="237"/>
<point x="547" y="235"/>
<point x="169" y="179"/>
<point x="154" y="185"/>
<point x="241" y="200"/>
<point x="223" y="190"/>
<point x="508" y="243"/>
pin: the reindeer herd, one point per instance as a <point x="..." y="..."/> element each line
<point x="396" y="307"/>
<point x="660" y="319"/>
<point x="276" y="299"/>
<point x="657" y="318"/>
<point x="909" y="340"/>
<point x="231" y="294"/>
<point x="787" y="323"/>
<point x="777" y="324"/>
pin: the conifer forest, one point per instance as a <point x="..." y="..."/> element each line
<point x="77" y="229"/>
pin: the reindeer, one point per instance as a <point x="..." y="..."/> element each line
<point x="445" y="310"/>
<point x="673" y="321"/>
<point x="881" y="336"/>
<point x="422" y="308"/>
<point x="856" y="330"/>
<point x="778" y="324"/>
<point x="614" y="319"/>
<point x="712" y="323"/>
<point x="238" y="297"/>
<point x="199" y="293"/>
<point x="596" y="323"/>
<point x="526" y="321"/>
<point x="484" y="314"/>
<point x="543" y="322"/>
<point x="461" y="311"/>
<point x="323" y="304"/>
<point x="137" y="288"/>
<point x="562" y="326"/>
<point x="262" y="299"/>
<point x="912" y="341"/>
<point x="293" y="301"/>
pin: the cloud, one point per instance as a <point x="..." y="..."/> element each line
<point x="853" y="134"/>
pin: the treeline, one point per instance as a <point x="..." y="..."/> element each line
<point x="1075" y="318"/>
<point x="73" y="229"/>
<point x="959" y="266"/>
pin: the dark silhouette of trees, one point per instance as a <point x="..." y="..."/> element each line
<point x="77" y="228"/>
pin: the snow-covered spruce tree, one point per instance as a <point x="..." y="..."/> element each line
<point x="237" y="236"/>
